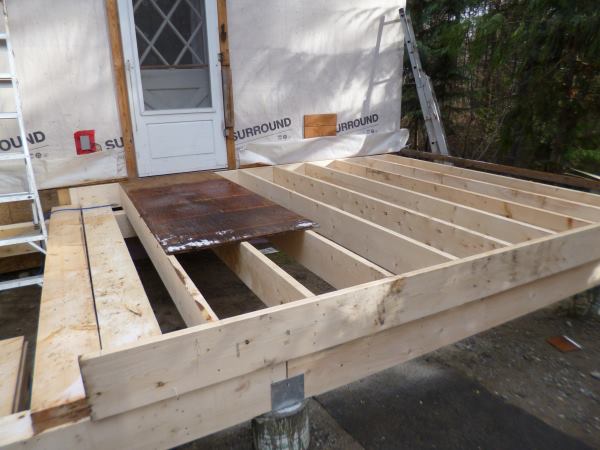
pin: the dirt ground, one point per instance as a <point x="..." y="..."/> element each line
<point x="506" y="388"/>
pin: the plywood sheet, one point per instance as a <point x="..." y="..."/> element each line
<point x="202" y="210"/>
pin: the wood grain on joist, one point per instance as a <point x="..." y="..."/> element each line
<point x="380" y="171"/>
<point x="388" y="249"/>
<point x="555" y="204"/>
<point x="439" y="234"/>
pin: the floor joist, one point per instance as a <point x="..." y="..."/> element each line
<point x="266" y="279"/>
<point x="383" y="247"/>
<point x="336" y="265"/>
<point x="192" y="306"/>
<point x="384" y="172"/>
<point x="436" y="233"/>
<point x="558" y="205"/>
<point x="502" y="228"/>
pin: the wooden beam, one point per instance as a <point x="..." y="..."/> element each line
<point x="559" y="205"/>
<point x="166" y="424"/>
<point x="535" y="216"/>
<point x="116" y="50"/>
<point x="383" y="247"/>
<point x="127" y="230"/>
<point x="333" y="263"/>
<point x="192" y="306"/>
<point x="108" y="194"/>
<point x="227" y="81"/>
<point x="67" y="325"/>
<point x="489" y="224"/>
<point x="511" y="170"/>
<point x="220" y="406"/>
<point x="123" y="310"/>
<point x="11" y="372"/>
<point x="266" y="279"/>
<point x="508" y="181"/>
<point x="360" y="358"/>
<point x="436" y="233"/>
<point x="13" y="230"/>
<point x="251" y="341"/>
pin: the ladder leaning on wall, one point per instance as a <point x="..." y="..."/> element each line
<point x="429" y="104"/>
<point x="34" y="234"/>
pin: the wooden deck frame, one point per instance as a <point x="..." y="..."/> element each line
<point x="400" y="293"/>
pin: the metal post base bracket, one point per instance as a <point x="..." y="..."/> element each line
<point x="287" y="393"/>
<point x="287" y="426"/>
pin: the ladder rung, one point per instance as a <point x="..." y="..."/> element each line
<point x="8" y="115"/>
<point x="21" y="282"/>
<point x="29" y="236"/>
<point x="6" y="76"/>
<point x="3" y="36"/>
<point x="18" y="197"/>
<point x="11" y="156"/>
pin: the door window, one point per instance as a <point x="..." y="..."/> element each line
<point x="172" y="51"/>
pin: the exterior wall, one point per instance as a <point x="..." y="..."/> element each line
<point x="288" y="59"/>
<point x="64" y="66"/>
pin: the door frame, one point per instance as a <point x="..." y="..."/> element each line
<point x="123" y="91"/>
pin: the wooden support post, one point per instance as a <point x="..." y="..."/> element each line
<point x="286" y="429"/>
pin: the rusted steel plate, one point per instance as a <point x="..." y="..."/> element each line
<point x="198" y="211"/>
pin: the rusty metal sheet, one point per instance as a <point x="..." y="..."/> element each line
<point x="197" y="211"/>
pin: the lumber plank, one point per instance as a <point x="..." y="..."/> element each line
<point x="11" y="369"/>
<point x="165" y="424"/>
<point x="566" y="180"/>
<point x="526" y="214"/>
<point x="442" y="235"/>
<point x="123" y="310"/>
<point x="502" y="228"/>
<point x="267" y="280"/>
<point x="190" y="303"/>
<point x="383" y="247"/>
<point x="12" y="230"/>
<point x="248" y="342"/>
<point x="561" y="206"/>
<point x="67" y="324"/>
<point x="127" y="230"/>
<point x="357" y="359"/>
<point x="228" y="403"/>
<point x="336" y="265"/>
<point x="98" y="195"/>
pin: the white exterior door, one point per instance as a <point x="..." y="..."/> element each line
<point x="174" y="81"/>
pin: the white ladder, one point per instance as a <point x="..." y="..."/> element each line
<point x="427" y="99"/>
<point x="35" y="236"/>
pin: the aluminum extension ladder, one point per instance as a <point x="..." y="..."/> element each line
<point x="427" y="99"/>
<point x="36" y="235"/>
